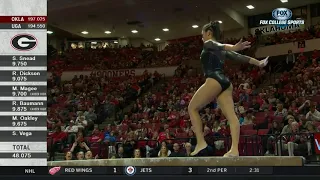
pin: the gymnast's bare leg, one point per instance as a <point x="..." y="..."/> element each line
<point x="204" y="95"/>
<point x="226" y="105"/>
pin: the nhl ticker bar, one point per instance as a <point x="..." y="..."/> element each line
<point x="176" y="171"/>
<point x="23" y="83"/>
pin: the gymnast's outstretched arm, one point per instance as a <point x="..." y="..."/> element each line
<point x="234" y="56"/>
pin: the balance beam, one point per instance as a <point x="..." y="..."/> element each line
<point x="187" y="161"/>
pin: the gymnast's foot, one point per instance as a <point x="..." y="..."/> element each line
<point x="231" y="153"/>
<point x="199" y="147"/>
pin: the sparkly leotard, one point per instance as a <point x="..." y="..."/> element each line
<point x="212" y="58"/>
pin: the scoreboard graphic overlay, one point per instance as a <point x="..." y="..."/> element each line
<point x="23" y="82"/>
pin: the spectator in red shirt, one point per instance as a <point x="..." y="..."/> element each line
<point x="162" y="135"/>
<point x="96" y="137"/>
<point x="58" y="135"/>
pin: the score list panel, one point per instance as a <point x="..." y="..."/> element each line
<point x="23" y="80"/>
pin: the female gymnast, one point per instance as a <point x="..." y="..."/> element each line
<point x="217" y="85"/>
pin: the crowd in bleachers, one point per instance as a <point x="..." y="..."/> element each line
<point x="299" y="35"/>
<point x="88" y="100"/>
<point x="88" y="59"/>
<point x="158" y="124"/>
<point x="174" y="53"/>
<point x="144" y="121"/>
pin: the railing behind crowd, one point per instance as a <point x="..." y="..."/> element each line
<point x="302" y="144"/>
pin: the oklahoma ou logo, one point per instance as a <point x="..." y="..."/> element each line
<point x="24" y="42"/>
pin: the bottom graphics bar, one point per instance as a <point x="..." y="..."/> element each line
<point x="134" y="170"/>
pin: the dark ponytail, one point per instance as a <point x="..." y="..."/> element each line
<point x="214" y="27"/>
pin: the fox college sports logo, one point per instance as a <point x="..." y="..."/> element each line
<point x="282" y="17"/>
<point x="24" y="42"/>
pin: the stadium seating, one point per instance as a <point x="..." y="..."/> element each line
<point x="159" y="117"/>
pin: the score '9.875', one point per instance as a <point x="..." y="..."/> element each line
<point x="19" y="109"/>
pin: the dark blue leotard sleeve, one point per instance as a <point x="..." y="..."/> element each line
<point x="213" y="46"/>
<point x="234" y="56"/>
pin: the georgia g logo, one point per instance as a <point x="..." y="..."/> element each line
<point x="24" y="42"/>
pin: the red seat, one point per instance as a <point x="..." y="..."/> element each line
<point x="248" y="130"/>
<point x="263" y="131"/>
<point x="259" y="120"/>
<point x="247" y="127"/>
<point x="95" y="150"/>
<point x="250" y="136"/>
<point x="250" y="144"/>
<point x="141" y="144"/>
<point x="152" y="143"/>
<point x="259" y="114"/>
<point x="279" y="119"/>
